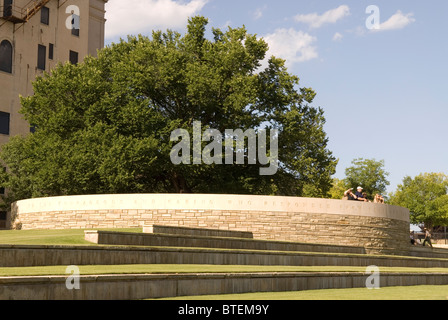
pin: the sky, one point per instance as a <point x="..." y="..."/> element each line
<point x="379" y="72"/>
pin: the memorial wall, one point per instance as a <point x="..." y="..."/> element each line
<point x="378" y="227"/>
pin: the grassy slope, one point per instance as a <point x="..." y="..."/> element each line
<point x="389" y="293"/>
<point x="185" y="268"/>
<point x="76" y="237"/>
<point x="48" y="237"/>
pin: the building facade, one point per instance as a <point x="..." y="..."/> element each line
<point x="34" y="37"/>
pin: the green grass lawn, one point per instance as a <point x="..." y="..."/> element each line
<point x="49" y="237"/>
<point x="389" y="293"/>
<point x="187" y="268"/>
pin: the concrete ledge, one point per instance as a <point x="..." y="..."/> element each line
<point x="427" y="252"/>
<point x="22" y="256"/>
<point x="131" y="287"/>
<point x="221" y="202"/>
<point x="168" y="240"/>
<point x="202" y="232"/>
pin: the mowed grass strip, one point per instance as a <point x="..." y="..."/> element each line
<point x="386" y="293"/>
<point x="50" y="237"/>
<point x="190" y="269"/>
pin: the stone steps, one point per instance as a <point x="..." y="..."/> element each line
<point x="426" y="252"/>
<point x="201" y="232"/>
<point x="132" y="287"/>
<point x="117" y="248"/>
<point x="191" y="240"/>
<point x="194" y="241"/>
<point x="23" y="256"/>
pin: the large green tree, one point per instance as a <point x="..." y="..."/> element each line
<point x="104" y="125"/>
<point x="367" y="173"/>
<point x="370" y="174"/>
<point x="426" y="197"/>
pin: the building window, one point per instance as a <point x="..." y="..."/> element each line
<point x="4" y="123"/>
<point x="45" y="15"/>
<point x="7" y="8"/>
<point x="51" y="51"/>
<point x="41" y="57"/>
<point x="75" y="32"/>
<point x="73" y="57"/>
<point x="6" y="56"/>
<point x="75" y="24"/>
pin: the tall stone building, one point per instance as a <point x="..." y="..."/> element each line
<point x="34" y="37"/>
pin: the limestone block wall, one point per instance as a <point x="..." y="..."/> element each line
<point x="379" y="227"/>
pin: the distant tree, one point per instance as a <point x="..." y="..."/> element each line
<point x="369" y="174"/>
<point x="338" y="188"/>
<point x="104" y="125"/>
<point x="426" y="197"/>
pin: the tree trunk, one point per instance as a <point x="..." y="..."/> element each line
<point x="179" y="183"/>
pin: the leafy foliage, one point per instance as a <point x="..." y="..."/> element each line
<point x="338" y="188"/>
<point x="369" y="174"/>
<point x="426" y="198"/>
<point x="103" y="126"/>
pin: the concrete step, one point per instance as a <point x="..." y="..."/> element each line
<point x="173" y="236"/>
<point x="427" y="252"/>
<point x="201" y="232"/>
<point x="24" y="256"/>
<point x="127" y="287"/>
<point x="194" y="241"/>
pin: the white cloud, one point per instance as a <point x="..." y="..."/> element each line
<point x="291" y="45"/>
<point x="397" y="21"/>
<point x="337" y="36"/>
<point x="315" y="20"/>
<point x="142" y="16"/>
<point x="258" y="13"/>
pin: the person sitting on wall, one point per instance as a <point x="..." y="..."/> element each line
<point x="358" y="192"/>
<point x="359" y="195"/>
<point x="348" y="195"/>
<point x="378" y="199"/>
<point x="365" y="196"/>
<point x="412" y="236"/>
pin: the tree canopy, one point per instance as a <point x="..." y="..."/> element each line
<point x="369" y="174"/>
<point x="104" y="125"/>
<point x="426" y="197"/>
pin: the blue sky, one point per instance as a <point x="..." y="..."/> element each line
<point x="384" y="91"/>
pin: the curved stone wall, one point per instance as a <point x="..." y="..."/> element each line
<point x="379" y="227"/>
